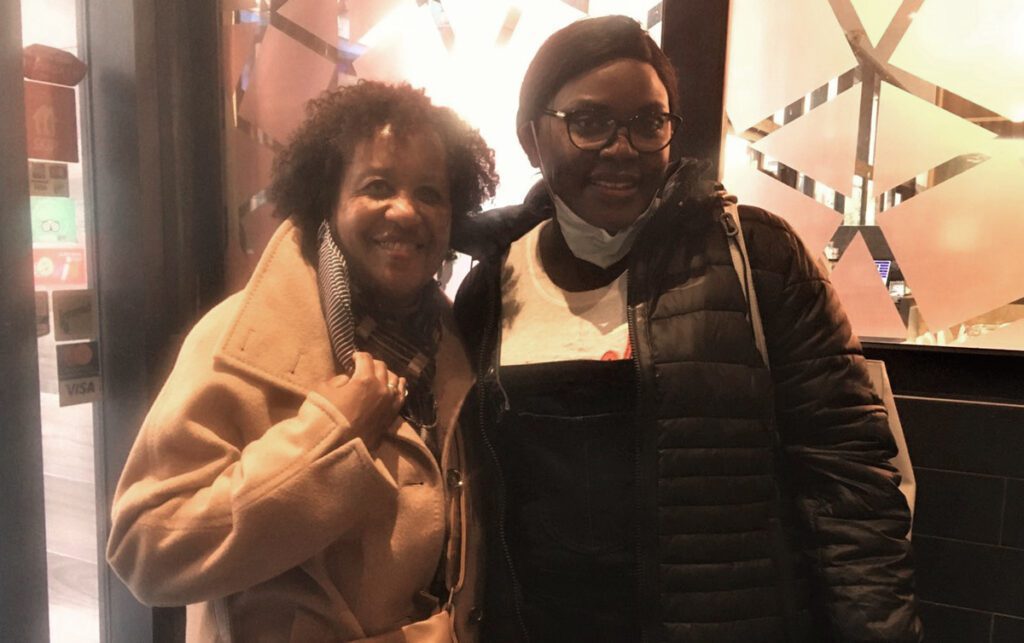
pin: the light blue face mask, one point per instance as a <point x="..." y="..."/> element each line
<point x="589" y="242"/>
<point x="593" y="244"/>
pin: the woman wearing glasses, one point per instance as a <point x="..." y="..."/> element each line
<point x="650" y="479"/>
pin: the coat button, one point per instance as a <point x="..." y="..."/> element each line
<point x="454" y="479"/>
<point x="476" y="615"/>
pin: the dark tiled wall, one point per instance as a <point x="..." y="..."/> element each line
<point x="969" y="524"/>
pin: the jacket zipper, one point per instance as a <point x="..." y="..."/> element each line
<point x="631" y="322"/>
<point x="481" y="396"/>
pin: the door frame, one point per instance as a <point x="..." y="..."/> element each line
<point x="152" y="133"/>
<point x="24" y="610"/>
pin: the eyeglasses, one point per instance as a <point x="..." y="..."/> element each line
<point x="593" y="130"/>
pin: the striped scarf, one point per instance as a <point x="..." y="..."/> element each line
<point x="335" y="299"/>
<point x="407" y="346"/>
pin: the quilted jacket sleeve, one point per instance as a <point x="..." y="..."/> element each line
<point x="837" y="444"/>
<point x="204" y="509"/>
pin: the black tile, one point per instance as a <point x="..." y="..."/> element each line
<point x="1008" y="630"/>
<point x="958" y="505"/>
<point x="938" y="371"/>
<point x="960" y="574"/>
<point x="944" y="624"/>
<point x="1013" y="526"/>
<point x="971" y="437"/>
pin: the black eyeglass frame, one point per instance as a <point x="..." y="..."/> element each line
<point x="675" y="121"/>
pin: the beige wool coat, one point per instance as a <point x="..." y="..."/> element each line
<point x="247" y="496"/>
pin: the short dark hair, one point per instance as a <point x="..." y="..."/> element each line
<point x="309" y="171"/>
<point x="585" y="45"/>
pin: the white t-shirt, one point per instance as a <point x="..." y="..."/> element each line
<point x="543" y="323"/>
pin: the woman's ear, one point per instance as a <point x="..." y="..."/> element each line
<point x="528" y="140"/>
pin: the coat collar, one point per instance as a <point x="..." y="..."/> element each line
<point x="484" y="235"/>
<point x="278" y="333"/>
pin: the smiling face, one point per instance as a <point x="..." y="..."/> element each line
<point x="611" y="187"/>
<point x="393" y="216"/>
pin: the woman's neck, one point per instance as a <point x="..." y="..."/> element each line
<point x="566" y="270"/>
<point x="366" y="301"/>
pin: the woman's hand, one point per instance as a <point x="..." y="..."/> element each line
<point x="370" y="398"/>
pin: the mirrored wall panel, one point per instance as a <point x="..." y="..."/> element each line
<point x="467" y="54"/>
<point x="890" y="134"/>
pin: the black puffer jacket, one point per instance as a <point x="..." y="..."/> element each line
<point x="766" y="508"/>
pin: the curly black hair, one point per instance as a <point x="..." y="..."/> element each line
<point x="308" y="172"/>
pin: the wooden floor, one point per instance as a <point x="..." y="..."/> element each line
<point x="70" y="496"/>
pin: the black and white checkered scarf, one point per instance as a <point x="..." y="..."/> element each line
<point x="354" y="323"/>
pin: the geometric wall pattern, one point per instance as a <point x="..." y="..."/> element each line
<point x="937" y="136"/>
<point x="973" y="49"/>
<point x="876" y="15"/>
<point x="769" y="65"/>
<point x="467" y="54"/>
<point x="959" y="243"/>
<point x="901" y="120"/>
<point x="816" y="222"/>
<point x="855" y="277"/>
<point x="833" y="128"/>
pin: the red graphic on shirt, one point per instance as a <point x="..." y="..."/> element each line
<point x="611" y="356"/>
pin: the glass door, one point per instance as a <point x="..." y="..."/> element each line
<point x="67" y="334"/>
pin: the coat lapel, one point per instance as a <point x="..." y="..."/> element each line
<point x="279" y="334"/>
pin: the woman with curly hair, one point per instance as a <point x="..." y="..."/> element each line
<point x="299" y="476"/>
